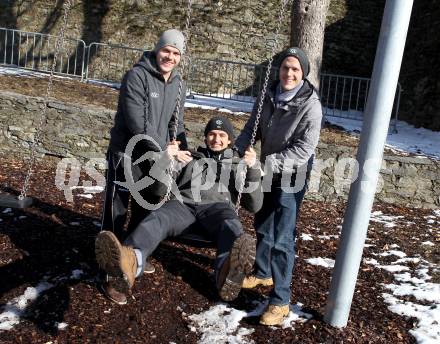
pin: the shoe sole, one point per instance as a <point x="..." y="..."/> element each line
<point x="274" y="323"/>
<point x="150" y="270"/>
<point x="108" y="256"/>
<point x="242" y="258"/>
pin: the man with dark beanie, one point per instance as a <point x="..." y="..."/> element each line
<point x="205" y="197"/>
<point x="147" y="101"/>
<point x="289" y="130"/>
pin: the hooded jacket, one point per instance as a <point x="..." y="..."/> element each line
<point x="290" y="132"/>
<point x="146" y="105"/>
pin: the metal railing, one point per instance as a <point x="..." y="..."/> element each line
<point x="35" y="51"/>
<point x="109" y="62"/>
<point x="341" y="95"/>
<point x="346" y="96"/>
<point x="226" y="79"/>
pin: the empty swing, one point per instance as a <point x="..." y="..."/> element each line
<point x="23" y="201"/>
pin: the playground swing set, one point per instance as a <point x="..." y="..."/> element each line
<point x="389" y="55"/>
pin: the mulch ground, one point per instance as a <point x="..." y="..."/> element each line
<point x="53" y="238"/>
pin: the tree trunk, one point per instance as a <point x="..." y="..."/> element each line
<point x="307" y="32"/>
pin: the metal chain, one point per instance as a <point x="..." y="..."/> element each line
<point x="58" y="43"/>
<point x="261" y="99"/>
<point x="176" y="112"/>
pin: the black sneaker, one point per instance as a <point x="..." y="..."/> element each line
<point x="235" y="268"/>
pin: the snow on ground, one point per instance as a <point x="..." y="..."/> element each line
<point x="16" y="308"/>
<point x="221" y="323"/>
<point x="411" y="281"/>
<point x="13" y="312"/>
<point x="325" y="262"/>
<point x="221" y="104"/>
<point x="387" y="220"/>
<point x="407" y="139"/>
<point x="306" y="237"/>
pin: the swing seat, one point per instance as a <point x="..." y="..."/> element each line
<point x="12" y="201"/>
<point x="193" y="236"/>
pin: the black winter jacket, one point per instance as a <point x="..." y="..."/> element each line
<point x="211" y="179"/>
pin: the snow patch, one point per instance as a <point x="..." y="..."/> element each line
<point x="14" y="309"/>
<point x="393" y="268"/>
<point x="220" y="324"/>
<point x="421" y="291"/>
<point x="407" y="139"/>
<point x="325" y="262"/>
<point x="387" y="220"/>
<point x="393" y="253"/>
<point x="306" y="237"/>
<point x="61" y="325"/>
<point x="427" y="330"/>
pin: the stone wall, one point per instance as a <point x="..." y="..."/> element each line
<point x="83" y="132"/>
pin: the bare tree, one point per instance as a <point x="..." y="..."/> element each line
<point x="307" y="32"/>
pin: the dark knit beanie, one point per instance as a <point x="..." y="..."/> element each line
<point x="220" y="123"/>
<point x="300" y="55"/>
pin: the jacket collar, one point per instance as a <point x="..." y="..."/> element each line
<point x="304" y="93"/>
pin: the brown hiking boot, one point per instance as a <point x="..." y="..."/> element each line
<point x="239" y="263"/>
<point x="274" y="315"/>
<point x="117" y="260"/>
<point x="111" y="293"/>
<point x="253" y="281"/>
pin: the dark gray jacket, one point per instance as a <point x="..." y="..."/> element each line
<point x="290" y="132"/>
<point x="211" y="179"/>
<point x="146" y="105"/>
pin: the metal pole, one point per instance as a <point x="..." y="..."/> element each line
<point x="374" y="132"/>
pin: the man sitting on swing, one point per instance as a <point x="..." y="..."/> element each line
<point x="205" y="195"/>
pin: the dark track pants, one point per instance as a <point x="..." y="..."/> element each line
<point x="218" y="222"/>
<point x="117" y="198"/>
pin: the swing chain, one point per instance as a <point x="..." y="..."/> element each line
<point x="261" y="99"/>
<point x="179" y="97"/>
<point x="58" y="43"/>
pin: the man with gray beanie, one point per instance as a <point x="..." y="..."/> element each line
<point x="289" y="130"/>
<point x="147" y="102"/>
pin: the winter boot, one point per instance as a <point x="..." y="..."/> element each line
<point x="239" y="263"/>
<point x="274" y="315"/>
<point x="111" y="293"/>
<point x="117" y="260"/>
<point x="253" y="281"/>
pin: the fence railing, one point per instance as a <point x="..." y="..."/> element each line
<point x="341" y="96"/>
<point x="109" y="62"/>
<point x="226" y="79"/>
<point x="346" y="96"/>
<point x="35" y="51"/>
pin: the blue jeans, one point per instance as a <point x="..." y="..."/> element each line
<point x="275" y="225"/>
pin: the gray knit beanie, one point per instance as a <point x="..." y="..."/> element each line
<point x="300" y="55"/>
<point x="171" y="37"/>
